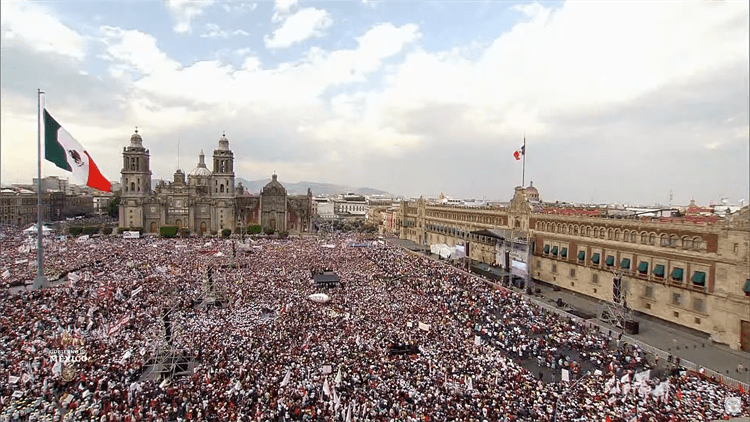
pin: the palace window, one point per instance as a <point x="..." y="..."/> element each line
<point x="699" y="279"/>
<point x="676" y="299"/>
<point x="697" y="243"/>
<point x="698" y="304"/>
<point x="677" y="274"/>
<point x="595" y="258"/>
<point x="643" y="268"/>
<point x="659" y="270"/>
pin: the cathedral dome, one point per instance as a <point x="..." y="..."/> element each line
<point x="532" y="189"/>
<point x="201" y="170"/>
<point x="532" y="193"/>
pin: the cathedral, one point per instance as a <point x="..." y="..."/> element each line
<point x="206" y="201"/>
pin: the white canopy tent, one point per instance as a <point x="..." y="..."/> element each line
<point x="443" y="250"/>
<point x="34" y="230"/>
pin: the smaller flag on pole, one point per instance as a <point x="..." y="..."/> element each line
<point x="520" y="152"/>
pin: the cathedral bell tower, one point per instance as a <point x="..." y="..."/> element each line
<point x="221" y="186"/>
<point x="135" y="182"/>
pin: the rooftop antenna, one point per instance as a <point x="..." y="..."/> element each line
<point x="671" y="196"/>
<point x="178" y="154"/>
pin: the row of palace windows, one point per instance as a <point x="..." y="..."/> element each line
<point x="467" y="217"/>
<point x="659" y="272"/>
<point x="452" y="231"/>
<point x="664" y="240"/>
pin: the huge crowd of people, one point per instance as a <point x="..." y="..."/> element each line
<point x="259" y="349"/>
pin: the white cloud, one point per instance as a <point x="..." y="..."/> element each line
<point x="581" y="58"/>
<point x="306" y="23"/>
<point x="284" y="6"/>
<point x="238" y="7"/>
<point x="34" y="26"/>
<point x="136" y="51"/>
<point x="184" y="11"/>
<point x="583" y="82"/>
<point x="214" y="31"/>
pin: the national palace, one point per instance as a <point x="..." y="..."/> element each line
<point x="690" y="270"/>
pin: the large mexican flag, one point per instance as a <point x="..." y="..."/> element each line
<point x="63" y="150"/>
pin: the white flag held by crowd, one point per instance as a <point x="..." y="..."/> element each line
<point x="326" y="388"/>
<point x="285" y="381"/>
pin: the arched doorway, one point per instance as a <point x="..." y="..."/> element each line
<point x="272" y="221"/>
<point x="203" y="227"/>
<point x="178" y="223"/>
<point x="153" y="227"/>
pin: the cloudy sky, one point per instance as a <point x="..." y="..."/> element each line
<point x="619" y="101"/>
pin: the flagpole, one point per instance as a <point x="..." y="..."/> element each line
<point x="40" y="281"/>
<point x="523" y="174"/>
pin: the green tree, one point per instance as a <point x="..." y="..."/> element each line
<point x="114" y="206"/>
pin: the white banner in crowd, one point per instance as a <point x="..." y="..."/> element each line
<point x="424" y="327"/>
<point x="565" y="376"/>
<point x="642" y="376"/>
<point x="319" y="297"/>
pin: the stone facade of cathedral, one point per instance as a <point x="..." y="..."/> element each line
<point x="206" y="201"/>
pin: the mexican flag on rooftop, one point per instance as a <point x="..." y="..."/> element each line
<point x="63" y="150"/>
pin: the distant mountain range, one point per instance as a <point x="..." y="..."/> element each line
<point x="254" y="186"/>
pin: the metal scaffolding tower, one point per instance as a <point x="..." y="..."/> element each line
<point x="616" y="312"/>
